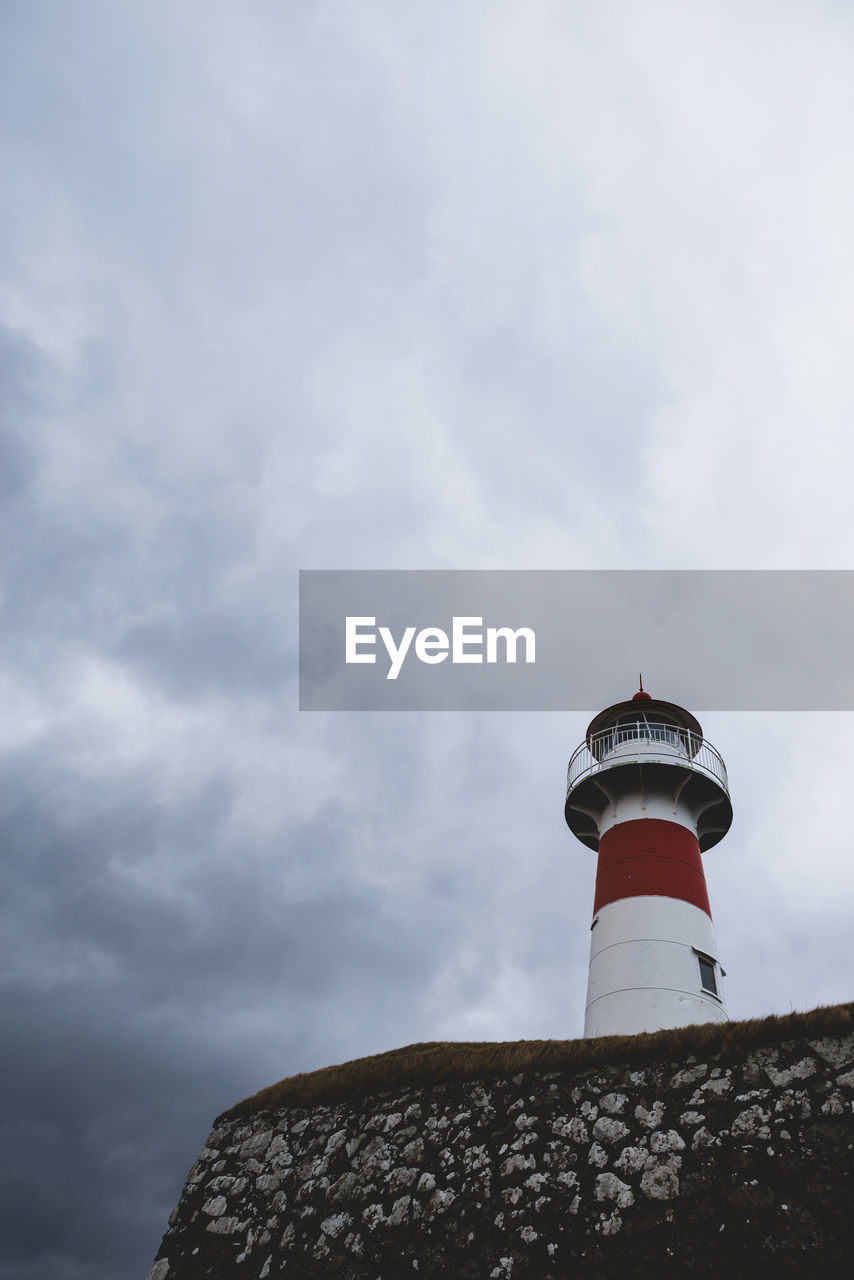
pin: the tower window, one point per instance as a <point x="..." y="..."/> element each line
<point x="639" y="725"/>
<point x="707" y="975"/>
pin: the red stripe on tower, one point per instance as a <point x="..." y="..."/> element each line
<point x="650" y="856"/>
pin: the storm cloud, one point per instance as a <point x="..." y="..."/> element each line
<point x="379" y="287"/>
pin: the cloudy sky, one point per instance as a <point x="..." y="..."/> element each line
<point x="362" y="285"/>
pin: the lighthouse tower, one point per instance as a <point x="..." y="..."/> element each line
<point x="649" y="794"/>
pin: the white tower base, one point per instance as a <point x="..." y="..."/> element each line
<point x="645" y="971"/>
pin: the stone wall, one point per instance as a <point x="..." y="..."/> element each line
<point x="672" y="1168"/>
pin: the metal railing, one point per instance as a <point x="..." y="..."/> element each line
<point x="664" y="741"/>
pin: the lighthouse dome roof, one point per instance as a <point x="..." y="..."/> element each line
<point x="651" y="709"/>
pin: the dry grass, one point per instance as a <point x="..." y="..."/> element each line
<point x="446" y="1062"/>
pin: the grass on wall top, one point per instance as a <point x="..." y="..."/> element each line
<point x="452" y="1061"/>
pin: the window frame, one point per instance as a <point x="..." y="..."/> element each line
<point x="703" y="958"/>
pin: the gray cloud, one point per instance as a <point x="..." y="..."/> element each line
<point x="329" y="287"/>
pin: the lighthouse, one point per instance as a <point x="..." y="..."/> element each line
<point x="649" y="794"/>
